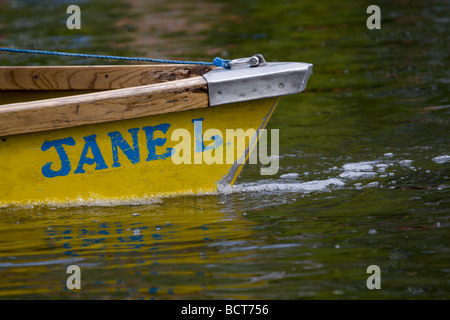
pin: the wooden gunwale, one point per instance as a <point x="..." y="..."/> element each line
<point x="161" y="96"/>
<point x="94" y="77"/>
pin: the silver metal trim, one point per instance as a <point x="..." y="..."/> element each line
<point x="244" y="83"/>
<point x="254" y="61"/>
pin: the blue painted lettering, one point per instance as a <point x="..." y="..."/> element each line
<point x="91" y="143"/>
<point x="152" y="143"/>
<point x="65" y="162"/>
<point x="117" y="141"/>
<point x="199" y="145"/>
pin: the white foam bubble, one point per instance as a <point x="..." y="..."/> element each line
<point x="441" y="159"/>
<point x="357" y="174"/>
<point x="372" y="184"/>
<point x="309" y="186"/>
<point x="289" y="176"/>
<point x="359" y="166"/>
<point x="405" y="163"/>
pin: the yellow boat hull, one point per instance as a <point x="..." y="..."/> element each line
<point x="122" y="161"/>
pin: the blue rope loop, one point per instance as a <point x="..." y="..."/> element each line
<point x="219" y="62"/>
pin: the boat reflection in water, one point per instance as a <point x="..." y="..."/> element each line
<point x="172" y="248"/>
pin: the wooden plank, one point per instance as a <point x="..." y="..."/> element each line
<point x="94" y="77"/>
<point x="103" y="106"/>
<point x="18" y="96"/>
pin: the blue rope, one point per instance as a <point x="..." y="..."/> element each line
<point x="219" y="62"/>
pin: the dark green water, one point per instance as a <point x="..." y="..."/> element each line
<point x="366" y="147"/>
